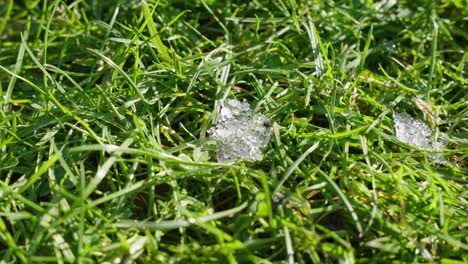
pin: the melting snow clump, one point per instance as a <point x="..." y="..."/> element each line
<point x="239" y="133"/>
<point x="416" y="133"/>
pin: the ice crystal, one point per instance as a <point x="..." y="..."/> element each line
<point x="239" y="133"/>
<point x="416" y="133"/>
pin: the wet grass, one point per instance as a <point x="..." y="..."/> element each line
<point x="105" y="107"/>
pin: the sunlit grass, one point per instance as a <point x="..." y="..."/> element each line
<point x="105" y="108"/>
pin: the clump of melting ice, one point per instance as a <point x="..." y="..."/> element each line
<point x="416" y="133"/>
<point x="239" y="133"/>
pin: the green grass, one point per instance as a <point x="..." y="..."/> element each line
<point x="105" y="107"/>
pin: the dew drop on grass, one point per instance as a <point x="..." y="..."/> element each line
<point x="239" y="133"/>
<point x="416" y="133"/>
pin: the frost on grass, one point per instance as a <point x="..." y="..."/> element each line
<point x="416" y="133"/>
<point x="239" y="133"/>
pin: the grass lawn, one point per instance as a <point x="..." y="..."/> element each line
<point x="106" y="155"/>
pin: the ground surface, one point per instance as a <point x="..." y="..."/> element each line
<point x="105" y="155"/>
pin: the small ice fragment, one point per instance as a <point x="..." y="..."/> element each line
<point x="412" y="131"/>
<point x="239" y="133"/>
<point x="416" y="133"/>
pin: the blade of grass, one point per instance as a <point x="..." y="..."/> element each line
<point x="344" y="199"/>
<point x="168" y="225"/>
<point x="6" y="16"/>
<point x="122" y="72"/>
<point x="155" y="39"/>
<point x="17" y="69"/>
<point x="37" y="175"/>
<point x="294" y="166"/>
<point x="435" y="33"/>
<point x="103" y="170"/>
